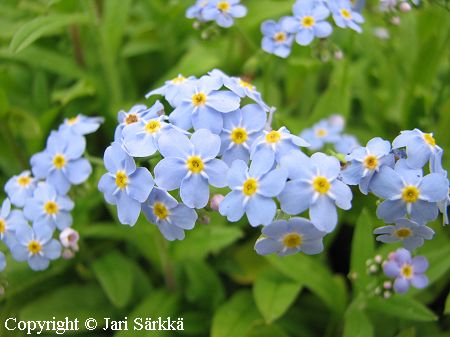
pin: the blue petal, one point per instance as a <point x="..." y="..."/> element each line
<point x="353" y="173"/>
<point x="342" y="195"/>
<point x="232" y="206"/>
<point x="140" y="184"/>
<point x="194" y="191"/>
<point x="78" y="171"/>
<point x="423" y="212"/>
<point x="323" y="214"/>
<point x="266" y="246"/>
<point x="328" y="166"/>
<point x="43" y="233"/>
<point x="217" y="172"/>
<point x="296" y="197"/>
<point x="263" y="160"/>
<point x="52" y="250"/>
<point x="116" y="159"/>
<point x="238" y="11"/>
<point x="128" y="209"/>
<point x="379" y="147"/>
<point x="386" y="184"/>
<point x="59" y="181"/>
<point x="169" y="173"/>
<point x="323" y="29"/>
<point x="208" y="118"/>
<point x="401" y="285"/>
<point x="107" y="186"/>
<point x="235" y="153"/>
<point x="206" y="144"/>
<point x="170" y="231"/>
<point x="237" y="174"/>
<point x="298" y="165"/>
<point x="63" y="220"/>
<point x="182" y="116"/>
<point x="276" y="229"/>
<point x="260" y="210"/>
<point x="418" y="152"/>
<point x="390" y="211"/>
<point x="312" y="247"/>
<point x="223" y="101"/>
<point x="183" y="217"/>
<point x="253" y="117"/>
<point x="272" y="183"/>
<point x="304" y="37"/>
<point x="38" y="262"/>
<point x="175" y="144"/>
<point x="41" y="164"/>
<point x="434" y="187"/>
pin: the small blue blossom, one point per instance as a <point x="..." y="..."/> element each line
<point x="125" y="118"/>
<point x="407" y="271"/>
<point x="82" y="125"/>
<point x="365" y="162"/>
<point x="141" y="138"/>
<point x="420" y="147"/>
<point x="46" y="207"/>
<point x="2" y="262"/>
<point x="241" y="128"/>
<point x="314" y="185"/>
<point x="321" y="133"/>
<point x="196" y="10"/>
<point x="344" y="16"/>
<point x="243" y="88"/>
<point x="61" y="163"/>
<point x="308" y="21"/>
<point x="270" y="147"/>
<point x="290" y="237"/>
<point x="202" y="105"/>
<point x="252" y="193"/>
<point x="190" y="164"/>
<point x="171" y="217"/>
<point x="224" y="11"/>
<point x="19" y="188"/>
<point x="406" y="192"/>
<point x="36" y="245"/>
<point x="9" y="221"/>
<point x="411" y="234"/>
<point x="125" y="185"/>
<point x="172" y="89"/>
<point x="346" y="144"/>
<point x="276" y="40"/>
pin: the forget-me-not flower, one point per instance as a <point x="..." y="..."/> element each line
<point x="411" y="234"/>
<point x="308" y="21"/>
<point x="125" y="118"/>
<point x="243" y="88"/>
<point x="290" y="237"/>
<point x="61" y="163"/>
<point x="346" y="144"/>
<point x="202" y="105"/>
<point x="171" y="217"/>
<point x="224" y="11"/>
<point x="9" y="221"/>
<point x="47" y="207"/>
<point x="19" y="188"/>
<point x="406" y="270"/>
<point x="321" y="133"/>
<point x="81" y="124"/>
<point x="252" y="193"/>
<point x="36" y="245"/>
<point x="365" y="162"/>
<point x="190" y="164"/>
<point x="240" y="129"/>
<point x="124" y="185"/>
<point x="314" y="185"/>
<point x="276" y="40"/>
<point x="344" y="16"/>
<point x="196" y="11"/>
<point x="172" y="89"/>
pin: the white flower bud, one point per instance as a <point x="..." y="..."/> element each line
<point x="69" y="239"/>
<point x="215" y="202"/>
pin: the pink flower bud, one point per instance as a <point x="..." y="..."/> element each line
<point x="338" y="55"/>
<point x="395" y="21"/>
<point x="68" y="254"/>
<point x="215" y="202"/>
<point x="69" y="239"/>
<point x="405" y="7"/>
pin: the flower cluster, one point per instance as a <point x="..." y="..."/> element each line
<point x="309" y="21"/>
<point x="223" y="12"/>
<point x="40" y="197"/>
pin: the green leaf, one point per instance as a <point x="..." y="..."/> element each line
<point x="236" y="317"/>
<point x="447" y="305"/>
<point x="357" y="324"/>
<point x="267" y="331"/>
<point x="41" y="26"/>
<point x="363" y="248"/>
<point x="274" y="294"/>
<point x="401" y="307"/>
<point x="411" y="332"/>
<point x="114" y="272"/>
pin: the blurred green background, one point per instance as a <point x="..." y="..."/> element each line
<point x="61" y="58"/>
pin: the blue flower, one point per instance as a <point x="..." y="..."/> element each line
<point x="9" y="221"/>
<point x="276" y="39"/>
<point x="273" y="145"/>
<point x="420" y="147"/>
<point x="365" y="162"/>
<point x="172" y="89"/>
<point x="241" y="128"/>
<point x="408" y="193"/>
<point x="321" y="133"/>
<point x="344" y="16"/>
<point x="290" y="237"/>
<point x="46" y="207"/>
<point x="125" y="185"/>
<point x="129" y="117"/>
<point x="190" y="165"/>
<point x="196" y="11"/>
<point x="202" y="105"/>
<point x="410" y="233"/>
<point x="406" y="270"/>
<point x="82" y="125"/>
<point x="36" y="245"/>
<point x="60" y="164"/>
<point x="19" y="188"/>
<point x="243" y="88"/>
<point x="171" y="217"/>
<point x="308" y="21"/>
<point x="252" y="193"/>
<point x="346" y="144"/>
<point x="224" y="11"/>
<point x="2" y="262"/>
<point x="314" y="185"/>
<point x="141" y="138"/>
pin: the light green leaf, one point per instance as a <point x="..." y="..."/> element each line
<point x="411" y="332"/>
<point x="447" y="305"/>
<point x="357" y="324"/>
<point x="267" y="331"/>
<point x="274" y="294"/>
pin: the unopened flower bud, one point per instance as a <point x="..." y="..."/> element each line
<point x="387" y="285"/>
<point x="373" y="269"/>
<point x="67" y="254"/>
<point x="338" y="55"/>
<point x="378" y="259"/>
<point x="387" y="294"/>
<point x="395" y="21"/>
<point x="215" y="202"/>
<point x="204" y="219"/>
<point x="377" y="291"/>
<point x="69" y="239"/>
<point x="405" y="7"/>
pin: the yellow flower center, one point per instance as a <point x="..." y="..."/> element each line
<point x="121" y="179"/>
<point x="24" y="181"/>
<point x="131" y="118"/>
<point x="72" y="121"/>
<point x="2" y="226"/>
<point x="273" y="137"/>
<point x="59" y="161"/>
<point x="321" y="185"/>
<point x="403" y="232"/>
<point x="224" y="6"/>
<point x="321" y="133"/>
<point x="34" y="247"/>
<point x="51" y="208"/>
<point x="429" y="139"/>
<point x="153" y="126"/>
<point x="410" y="194"/>
<point x="280" y="37"/>
<point x="239" y="135"/>
<point x="199" y="99"/>
<point x="371" y="162"/>
<point x="246" y="84"/>
<point x="407" y="271"/>
<point x="250" y="187"/>
<point x="308" y="21"/>
<point x="346" y="13"/>
<point x="292" y="240"/>
<point x="195" y="164"/>
<point x="160" y="211"/>
<point x="178" y="80"/>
